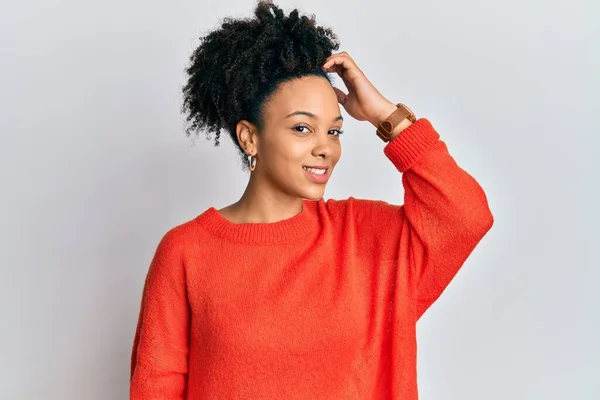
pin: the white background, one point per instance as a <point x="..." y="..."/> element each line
<point x="95" y="167"/>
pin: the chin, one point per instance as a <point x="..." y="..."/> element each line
<point x="314" y="194"/>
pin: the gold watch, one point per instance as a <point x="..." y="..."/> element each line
<point x="385" y="129"/>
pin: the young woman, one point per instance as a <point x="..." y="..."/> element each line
<point x="283" y="295"/>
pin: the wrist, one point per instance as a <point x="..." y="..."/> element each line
<point x="400" y="127"/>
<point x="383" y="111"/>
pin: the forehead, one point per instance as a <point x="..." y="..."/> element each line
<point x="309" y="93"/>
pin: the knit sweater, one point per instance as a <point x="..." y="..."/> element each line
<point x="322" y="305"/>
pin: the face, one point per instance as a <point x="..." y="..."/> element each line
<point x="299" y="146"/>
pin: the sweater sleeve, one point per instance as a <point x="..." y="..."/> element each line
<point x="445" y="212"/>
<point x="159" y="360"/>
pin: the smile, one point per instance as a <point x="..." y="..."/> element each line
<point x="317" y="171"/>
<point x="317" y="174"/>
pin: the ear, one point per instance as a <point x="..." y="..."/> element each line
<point x="247" y="136"/>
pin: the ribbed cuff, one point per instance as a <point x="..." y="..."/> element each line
<point x="406" y="148"/>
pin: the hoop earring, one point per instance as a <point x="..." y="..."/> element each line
<point x="251" y="160"/>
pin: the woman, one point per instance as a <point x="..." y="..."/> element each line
<point x="283" y="295"/>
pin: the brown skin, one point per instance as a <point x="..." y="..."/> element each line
<point x="279" y="183"/>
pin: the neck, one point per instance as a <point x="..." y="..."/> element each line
<point x="261" y="203"/>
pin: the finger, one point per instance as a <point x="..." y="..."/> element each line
<point x="340" y="54"/>
<point x="341" y="62"/>
<point x="336" y="59"/>
<point x="337" y="65"/>
<point x="341" y="96"/>
<point x="345" y="68"/>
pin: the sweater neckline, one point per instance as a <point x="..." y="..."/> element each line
<point x="268" y="232"/>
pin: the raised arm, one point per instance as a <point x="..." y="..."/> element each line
<point x="445" y="212"/>
<point x="159" y="360"/>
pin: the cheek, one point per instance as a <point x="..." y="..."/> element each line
<point x="294" y="152"/>
<point x="285" y="155"/>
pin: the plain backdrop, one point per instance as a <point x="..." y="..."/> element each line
<point x="95" y="167"/>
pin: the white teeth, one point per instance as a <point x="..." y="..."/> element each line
<point x="315" y="170"/>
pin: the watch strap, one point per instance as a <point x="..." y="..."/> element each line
<point x="386" y="127"/>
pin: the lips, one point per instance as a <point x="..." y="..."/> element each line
<point x="317" y="173"/>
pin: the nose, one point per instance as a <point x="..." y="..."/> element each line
<point x="322" y="146"/>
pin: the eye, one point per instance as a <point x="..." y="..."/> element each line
<point x="334" y="132"/>
<point x="300" y="127"/>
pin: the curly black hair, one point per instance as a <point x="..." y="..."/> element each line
<point x="237" y="67"/>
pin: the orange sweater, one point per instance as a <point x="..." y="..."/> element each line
<point x="319" y="306"/>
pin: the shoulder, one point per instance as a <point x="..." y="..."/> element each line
<point x="176" y="247"/>
<point x="179" y="238"/>
<point x="357" y="204"/>
<point x="362" y="209"/>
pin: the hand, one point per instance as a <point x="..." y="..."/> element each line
<point x="363" y="101"/>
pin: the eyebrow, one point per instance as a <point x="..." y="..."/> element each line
<point x="311" y="115"/>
